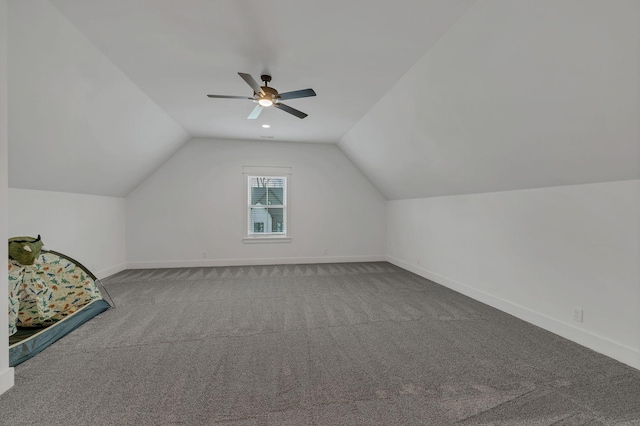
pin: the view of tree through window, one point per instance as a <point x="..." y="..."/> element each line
<point x="267" y="204"/>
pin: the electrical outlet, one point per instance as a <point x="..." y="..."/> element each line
<point x="326" y="251"/>
<point x="577" y="314"/>
<point x="204" y="254"/>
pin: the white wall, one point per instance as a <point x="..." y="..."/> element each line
<point x="88" y="228"/>
<point x="536" y="254"/>
<point x="194" y="204"/>
<point x="6" y="373"/>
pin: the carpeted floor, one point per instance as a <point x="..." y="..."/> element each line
<point x="335" y="344"/>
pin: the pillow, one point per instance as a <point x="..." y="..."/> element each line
<point x="25" y="250"/>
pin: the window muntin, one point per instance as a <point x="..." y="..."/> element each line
<point x="267" y="204"/>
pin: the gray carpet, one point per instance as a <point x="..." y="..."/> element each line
<point x="336" y="344"/>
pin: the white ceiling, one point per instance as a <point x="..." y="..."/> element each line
<point x="76" y="123"/>
<point x="426" y="97"/>
<point x="517" y="94"/>
<point x="350" y="52"/>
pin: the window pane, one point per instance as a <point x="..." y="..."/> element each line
<point x="276" y="182"/>
<point x="259" y="219"/>
<point x="258" y="196"/>
<point x="276" y="216"/>
<point x="266" y="191"/>
<point x="267" y="220"/>
<point x="275" y="196"/>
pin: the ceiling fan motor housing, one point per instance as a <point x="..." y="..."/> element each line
<point x="270" y="93"/>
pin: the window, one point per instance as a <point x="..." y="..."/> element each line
<point x="266" y="204"/>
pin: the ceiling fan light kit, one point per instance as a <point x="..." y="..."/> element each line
<point x="267" y="96"/>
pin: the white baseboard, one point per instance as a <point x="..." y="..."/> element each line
<point x="600" y="344"/>
<point x="110" y="271"/>
<point x="6" y="380"/>
<point x="252" y="262"/>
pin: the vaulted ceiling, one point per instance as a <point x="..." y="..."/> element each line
<point x="517" y="94"/>
<point x="349" y="52"/>
<point x="427" y="97"/>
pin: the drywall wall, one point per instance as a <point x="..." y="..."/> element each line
<point x="517" y="94"/>
<point x="536" y="254"/>
<point x="75" y="117"/>
<point x="6" y="373"/>
<point x="88" y="228"/>
<point x="190" y="211"/>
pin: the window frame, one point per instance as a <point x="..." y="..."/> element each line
<point x="267" y="171"/>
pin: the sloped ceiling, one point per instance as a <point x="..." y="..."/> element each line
<point x="427" y="98"/>
<point x="517" y="94"/>
<point x="104" y="91"/>
<point x="350" y="52"/>
<point x="76" y="122"/>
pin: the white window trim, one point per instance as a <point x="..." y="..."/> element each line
<point x="284" y="171"/>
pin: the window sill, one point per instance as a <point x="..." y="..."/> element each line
<point x="266" y="239"/>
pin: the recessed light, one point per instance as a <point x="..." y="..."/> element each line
<point x="266" y="126"/>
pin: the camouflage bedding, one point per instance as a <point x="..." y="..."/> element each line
<point x="47" y="291"/>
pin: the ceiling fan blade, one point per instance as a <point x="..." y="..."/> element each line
<point x="305" y="93"/>
<point x="228" y="97"/>
<point x="287" y="108"/>
<point x="255" y="113"/>
<point x="252" y="82"/>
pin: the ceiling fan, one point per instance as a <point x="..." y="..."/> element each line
<point x="266" y="96"/>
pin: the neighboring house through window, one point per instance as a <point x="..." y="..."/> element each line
<point x="266" y="208"/>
